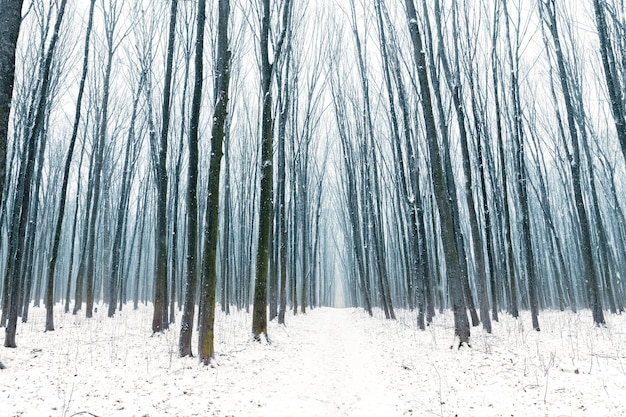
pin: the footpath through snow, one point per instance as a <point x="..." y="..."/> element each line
<point x="329" y="362"/>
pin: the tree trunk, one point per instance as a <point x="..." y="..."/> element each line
<point x="26" y="179"/>
<point x="259" y="310"/>
<point x="160" y="321"/>
<point x="66" y="174"/>
<point x="191" y="282"/>
<point x="611" y="75"/>
<point x="446" y="212"/>
<point x="10" y="21"/>
<point x="211" y="230"/>
<point x="586" y="248"/>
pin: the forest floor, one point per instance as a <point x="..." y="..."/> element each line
<point x="329" y="362"/>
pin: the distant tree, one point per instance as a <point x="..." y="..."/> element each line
<point x="503" y="209"/>
<point x="112" y="13"/>
<point x="521" y="172"/>
<point x="130" y="156"/>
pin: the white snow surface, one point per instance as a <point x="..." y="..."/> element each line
<point x="329" y="362"/>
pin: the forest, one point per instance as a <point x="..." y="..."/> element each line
<point x="277" y="156"/>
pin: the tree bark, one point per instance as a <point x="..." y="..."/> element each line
<point x="27" y="180"/>
<point x="211" y="231"/>
<point x="191" y="282"/>
<point x="445" y="209"/>
<point x="10" y="22"/>
<point x="160" y="321"/>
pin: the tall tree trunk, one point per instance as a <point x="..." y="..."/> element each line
<point x="521" y="172"/>
<point x="66" y="173"/>
<point x="160" y="321"/>
<point x="454" y="85"/>
<point x="508" y="239"/>
<point x="122" y="207"/>
<point x="446" y="211"/>
<point x="586" y="248"/>
<point x="211" y="230"/>
<point x="281" y="191"/>
<point x="613" y="84"/>
<point x="23" y="214"/>
<point x="10" y="22"/>
<point x="191" y="282"/>
<point x="259" y="310"/>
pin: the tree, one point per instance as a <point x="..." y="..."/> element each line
<point x="549" y="13"/>
<point x="10" y="22"/>
<point x="259" y="311"/>
<point x="66" y="174"/>
<point x="211" y="229"/>
<point x="517" y="132"/>
<point x="612" y="78"/>
<point x="23" y="200"/>
<point x="112" y="14"/>
<point x="184" y="346"/>
<point x="455" y="86"/>
<point x="159" y="319"/>
<point x="444" y="203"/>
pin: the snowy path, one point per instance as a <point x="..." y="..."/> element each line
<point x="337" y="371"/>
<point x="327" y="363"/>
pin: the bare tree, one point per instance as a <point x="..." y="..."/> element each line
<point x="26" y="179"/>
<point x="66" y="174"/>
<point x="549" y="13"/>
<point x="211" y="230"/>
<point x="259" y="313"/>
<point x="191" y="283"/>
<point x="160" y="321"/>
<point x="444" y="203"/>
<point x="10" y="22"/>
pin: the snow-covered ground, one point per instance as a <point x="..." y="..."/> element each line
<point x="329" y="362"/>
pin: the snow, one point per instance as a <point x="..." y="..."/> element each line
<point x="329" y="362"/>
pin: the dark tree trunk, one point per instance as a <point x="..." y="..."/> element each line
<point x="211" y="230"/>
<point x="508" y="240"/>
<point x="454" y="85"/>
<point x="191" y="282"/>
<point x="282" y="236"/>
<point x="259" y="310"/>
<point x="611" y="75"/>
<point x="522" y="174"/>
<point x="160" y="321"/>
<point x="26" y="179"/>
<point x="10" y="21"/>
<point x="586" y="248"/>
<point x="66" y="173"/>
<point x="446" y="211"/>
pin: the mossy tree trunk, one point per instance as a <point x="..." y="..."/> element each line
<point x="211" y="229"/>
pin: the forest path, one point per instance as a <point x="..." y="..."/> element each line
<point x="335" y="367"/>
<point x="328" y="362"/>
